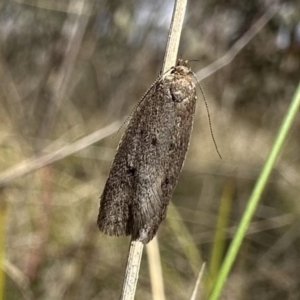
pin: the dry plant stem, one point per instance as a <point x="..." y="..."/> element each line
<point x="254" y="227"/>
<point x="61" y="6"/>
<point x="156" y="278"/>
<point x="136" y="247"/>
<point x="35" y="163"/>
<point x="239" y="45"/>
<point x="200" y="275"/>
<point x="56" y="83"/>
<point x="174" y="35"/>
<point x="132" y="270"/>
<point x="73" y="31"/>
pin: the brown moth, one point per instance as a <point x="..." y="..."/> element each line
<point x="149" y="158"/>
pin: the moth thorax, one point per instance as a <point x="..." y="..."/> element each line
<point x="181" y="88"/>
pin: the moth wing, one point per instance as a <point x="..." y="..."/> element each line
<point x="146" y="167"/>
<point x="149" y="203"/>
<point x="116" y="202"/>
<point x="164" y="153"/>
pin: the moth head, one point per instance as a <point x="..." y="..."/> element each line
<point x="182" y="62"/>
<point x="181" y="67"/>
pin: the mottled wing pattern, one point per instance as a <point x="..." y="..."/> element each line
<point x="149" y="158"/>
<point x="116" y="214"/>
<point x="156" y="131"/>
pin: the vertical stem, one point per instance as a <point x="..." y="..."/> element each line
<point x="174" y="35"/>
<point x="136" y="247"/>
<point x="155" y="270"/>
<point x="132" y="270"/>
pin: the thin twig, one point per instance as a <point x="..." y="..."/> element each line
<point x="254" y="227"/>
<point x="155" y="270"/>
<point x="174" y="35"/>
<point x="35" y="163"/>
<point x="59" y="6"/>
<point x="132" y="270"/>
<point x="239" y="45"/>
<point x="200" y="275"/>
<point x="136" y="247"/>
<point x="57" y="79"/>
<point x="73" y="31"/>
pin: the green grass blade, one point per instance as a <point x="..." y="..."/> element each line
<point x="220" y="234"/>
<point x="255" y="196"/>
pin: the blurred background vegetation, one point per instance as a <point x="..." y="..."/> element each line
<point x="70" y="68"/>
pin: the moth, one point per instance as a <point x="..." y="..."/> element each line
<point x="149" y="158"/>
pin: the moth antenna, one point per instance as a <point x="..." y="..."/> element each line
<point x="141" y="100"/>
<point x="113" y="136"/>
<point x="208" y="113"/>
